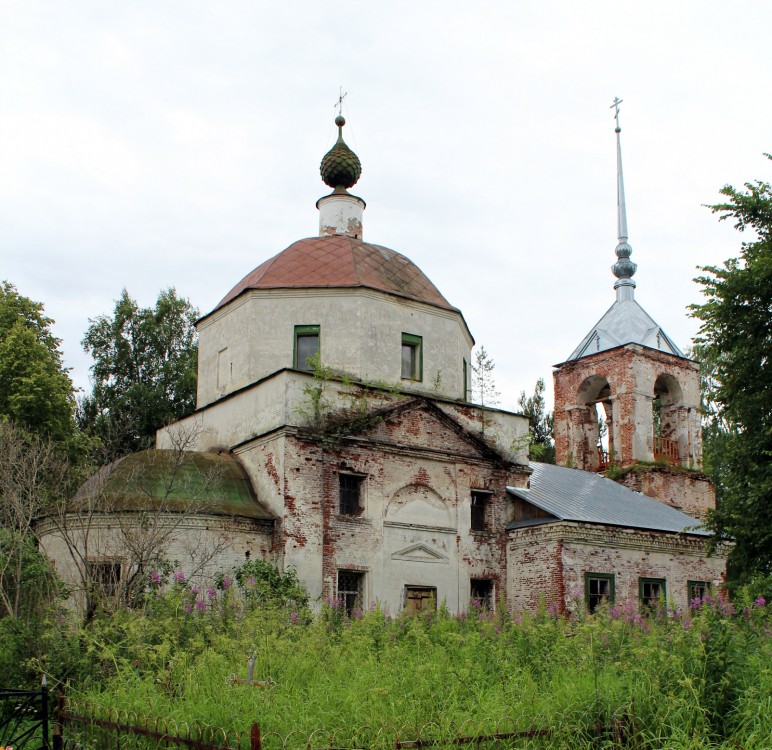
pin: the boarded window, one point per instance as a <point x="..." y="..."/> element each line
<point x="480" y="502"/>
<point x="420" y="598"/>
<point x="481" y="592"/>
<point x="350" y="494"/>
<point x="351" y="590"/>
<point x="598" y="588"/>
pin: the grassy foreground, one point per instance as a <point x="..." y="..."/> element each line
<point x="696" y="679"/>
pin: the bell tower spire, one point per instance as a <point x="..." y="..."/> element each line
<point x="624" y="268"/>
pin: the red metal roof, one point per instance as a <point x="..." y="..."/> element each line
<point x="339" y="262"/>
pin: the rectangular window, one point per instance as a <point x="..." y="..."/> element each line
<point x="351" y="590"/>
<point x="481" y="592"/>
<point x="350" y="494"/>
<point x="480" y="501"/>
<point x="465" y="375"/>
<point x="651" y="590"/>
<point x="306" y="347"/>
<point x="697" y="590"/>
<point x="420" y="598"/>
<point x="104" y="577"/>
<point x="412" y="357"/>
<point x="598" y="588"/>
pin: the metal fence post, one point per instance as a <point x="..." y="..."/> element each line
<point x="59" y="722"/>
<point x="255" y="741"/>
<point x="44" y="711"/>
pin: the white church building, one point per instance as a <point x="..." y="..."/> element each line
<point x="334" y="403"/>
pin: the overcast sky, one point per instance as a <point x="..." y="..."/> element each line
<point x="154" y="144"/>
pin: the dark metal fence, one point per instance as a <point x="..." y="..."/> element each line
<point x="80" y="726"/>
<point x="24" y="718"/>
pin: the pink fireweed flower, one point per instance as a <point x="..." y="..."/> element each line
<point x="200" y="605"/>
<point x="226" y="582"/>
<point x="760" y="602"/>
<point x="211" y="593"/>
<point x="179" y="577"/>
<point x="294" y="618"/>
<point x="155" y="578"/>
<point x="188" y="607"/>
<point x="250" y="581"/>
<point x="195" y="590"/>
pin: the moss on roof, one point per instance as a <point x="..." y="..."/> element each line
<point x="175" y="482"/>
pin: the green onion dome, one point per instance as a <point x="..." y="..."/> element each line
<point x="340" y="167"/>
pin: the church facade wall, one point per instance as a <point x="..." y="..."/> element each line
<point x="412" y="528"/>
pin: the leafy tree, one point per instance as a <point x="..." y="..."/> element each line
<point x="35" y="389"/>
<point x="483" y="385"/>
<point x="33" y="476"/>
<point x="542" y="447"/>
<point x="144" y="372"/>
<point x="735" y="345"/>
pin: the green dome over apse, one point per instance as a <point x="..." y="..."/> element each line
<point x="340" y="168"/>
<point x="164" y="480"/>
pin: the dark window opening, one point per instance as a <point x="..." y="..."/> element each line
<point x="480" y="502"/>
<point x="351" y="590"/>
<point x="481" y="592"/>
<point x="306" y="347"/>
<point x="697" y="590"/>
<point x="651" y="590"/>
<point x="412" y="357"/>
<point x="420" y="598"/>
<point x="350" y="495"/>
<point x="104" y="577"/>
<point x="598" y="588"/>
<point x="103" y="580"/>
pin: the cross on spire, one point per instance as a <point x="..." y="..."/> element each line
<point x="615" y="107"/>
<point x="339" y="103"/>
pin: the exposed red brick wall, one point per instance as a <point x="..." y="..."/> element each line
<point x="694" y="494"/>
<point x="631" y="372"/>
<point x="548" y="563"/>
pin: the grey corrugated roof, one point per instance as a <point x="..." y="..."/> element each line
<point x="625" y="322"/>
<point x="575" y="495"/>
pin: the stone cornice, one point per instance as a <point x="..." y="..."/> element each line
<point x="190" y="522"/>
<point x="612" y="537"/>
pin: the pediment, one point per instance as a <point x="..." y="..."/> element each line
<point x="421" y="425"/>
<point x="420" y="552"/>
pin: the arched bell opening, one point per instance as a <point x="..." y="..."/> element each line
<point x="593" y="436"/>
<point x="669" y="426"/>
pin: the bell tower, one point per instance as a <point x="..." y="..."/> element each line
<point x="628" y="379"/>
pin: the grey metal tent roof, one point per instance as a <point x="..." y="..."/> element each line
<point x="625" y="322"/>
<point x="575" y="495"/>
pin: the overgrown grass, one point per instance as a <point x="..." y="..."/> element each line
<point x="699" y="679"/>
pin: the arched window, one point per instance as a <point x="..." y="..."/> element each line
<point x="666" y="418"/>
<point x="593" y="436"/>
